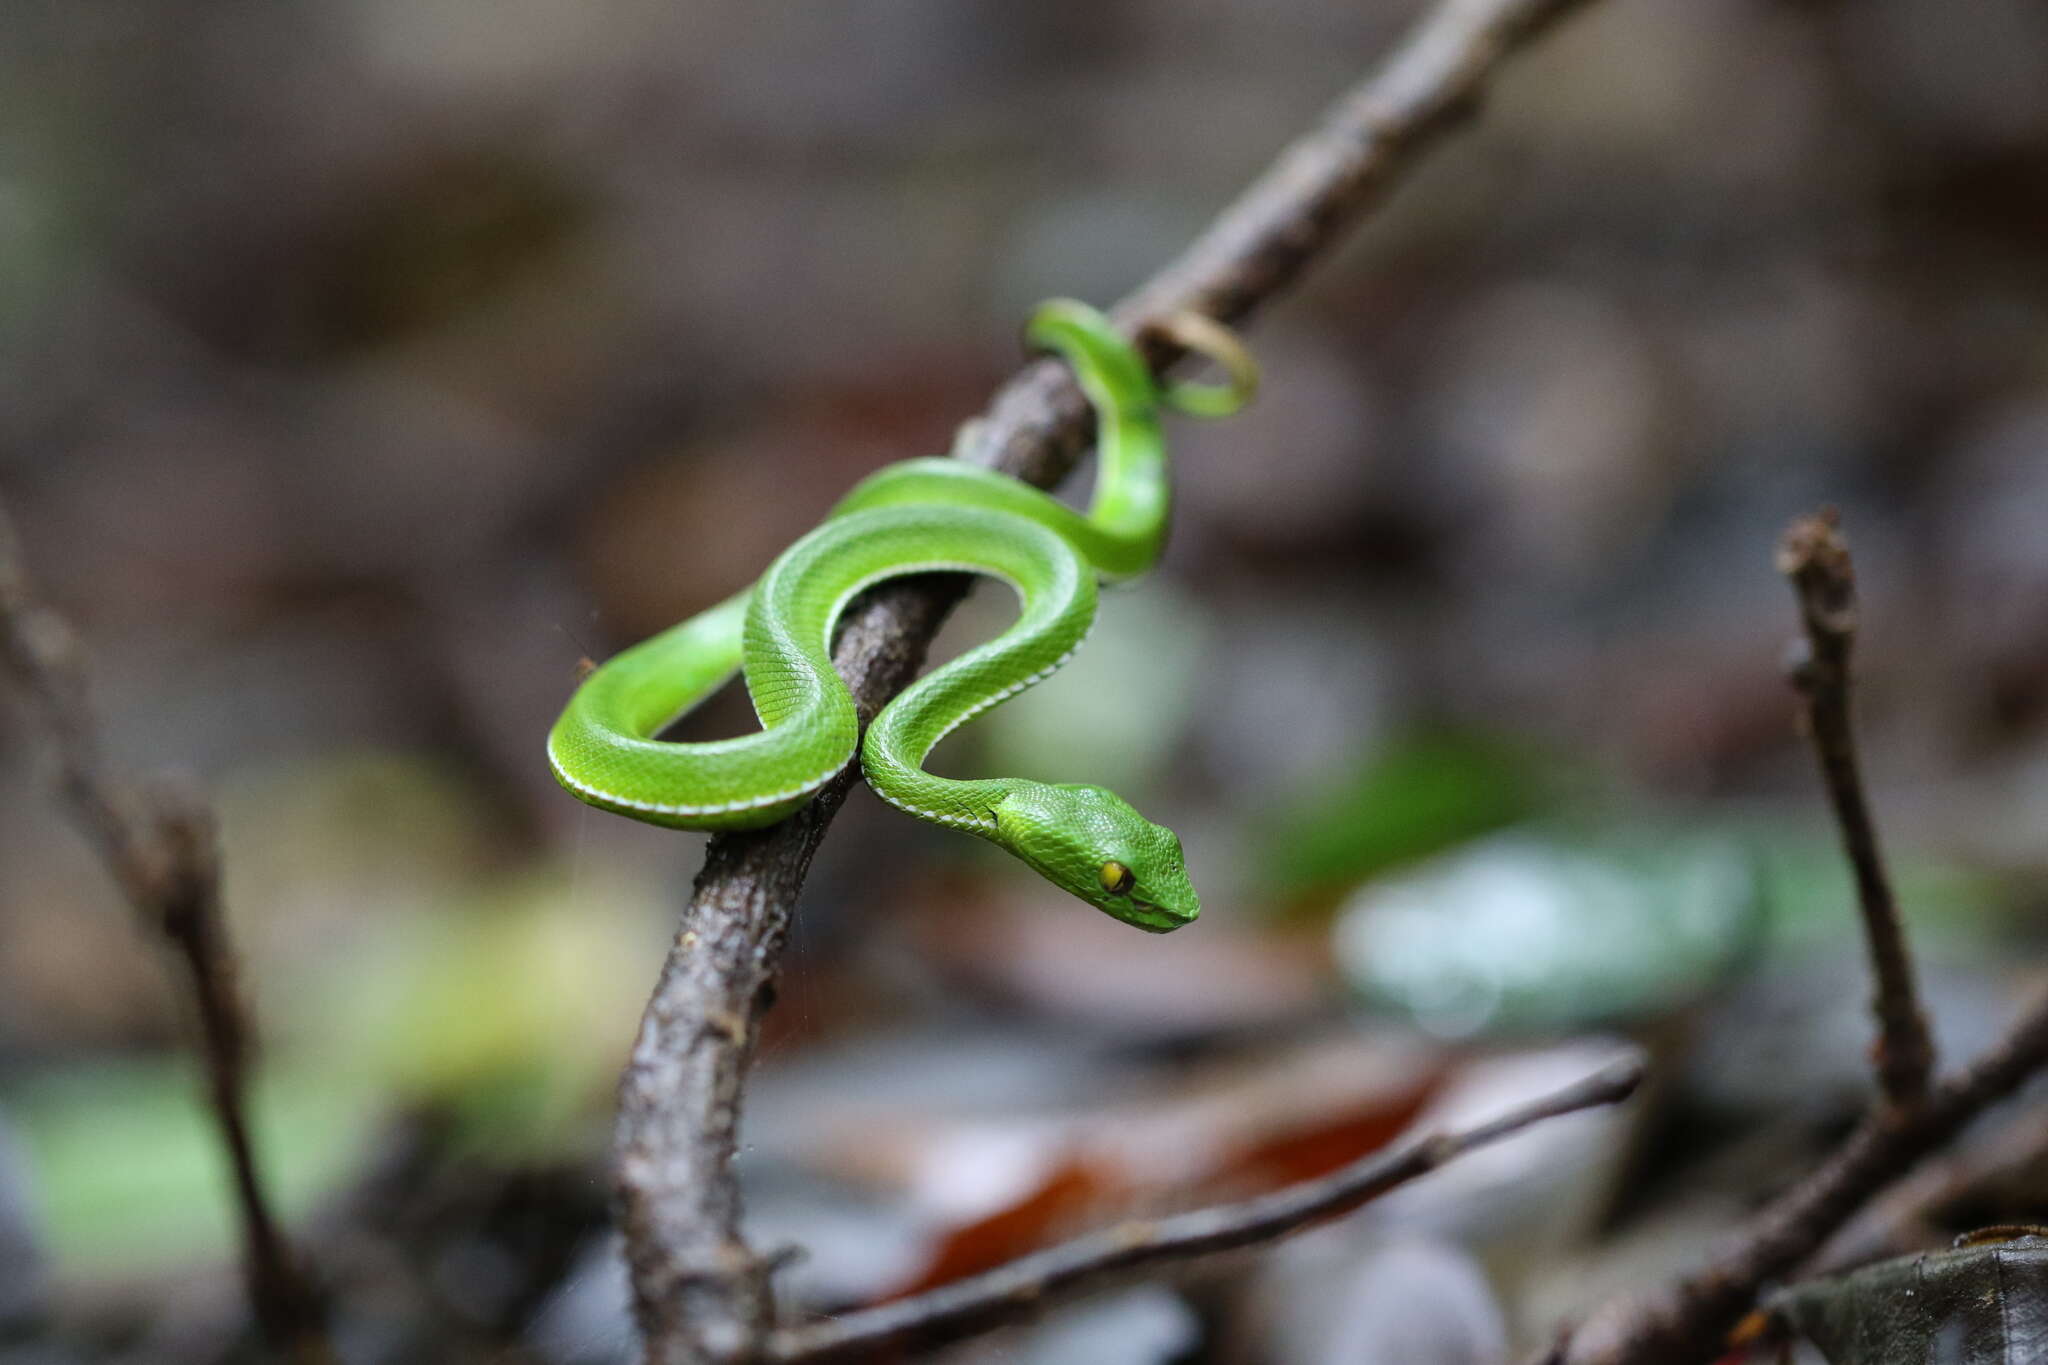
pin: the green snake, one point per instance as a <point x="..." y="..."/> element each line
<point x="920" y="516"/>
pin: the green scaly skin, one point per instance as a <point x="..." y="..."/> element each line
<point x="914" y="517"/>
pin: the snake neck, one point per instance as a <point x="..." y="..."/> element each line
<point x="1058" y="601"/>
<point x="896" y="745"/>
<point x="967" y="806"/>
<point x="892" y="759"/>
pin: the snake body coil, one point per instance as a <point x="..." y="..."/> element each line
<point x="915" y="517"/>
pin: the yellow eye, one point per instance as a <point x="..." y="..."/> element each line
<point x="1116" y="878"/>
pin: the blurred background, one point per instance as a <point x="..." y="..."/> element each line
<point x="364" y="364"/>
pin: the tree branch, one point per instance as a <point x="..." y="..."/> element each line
<point x="1816" y="558"/>
<point x="956" y="1311"/>
<point x="699" y="1294"/>
<point x="160" y="845"/>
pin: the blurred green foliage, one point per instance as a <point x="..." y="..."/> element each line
<point x="1419" y="794"/>
<point x="130" y="1174"/>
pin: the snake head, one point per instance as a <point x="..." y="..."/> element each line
<point x="1092" y="843"/>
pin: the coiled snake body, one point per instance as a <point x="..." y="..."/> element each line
<point x="919" y="516"/>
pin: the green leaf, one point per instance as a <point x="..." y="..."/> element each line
<point x="1529" y="930"/>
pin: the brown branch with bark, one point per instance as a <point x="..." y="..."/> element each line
<point x="699" y="1293"/>
<point x="956" y="1311"/>
<point x="1687" y="1322"/>
<point x="160" y="845"/>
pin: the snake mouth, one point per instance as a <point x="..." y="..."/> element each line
<point x="1158" y="919"/>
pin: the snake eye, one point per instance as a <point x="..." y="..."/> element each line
<point x="1116" y="878"/>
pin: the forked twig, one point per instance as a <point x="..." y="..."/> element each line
<point x="160" y="845"/>
<point x="1687" y="1322"/>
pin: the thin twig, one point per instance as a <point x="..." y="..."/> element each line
<point x="1019" y="1289"/>
<point x="161" y="847"/>
<point x="699" y="1293"/>
<point x="1687" y="1323"/>
<point x="1816" y="558"/>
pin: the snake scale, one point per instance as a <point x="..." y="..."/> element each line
<point x="920" y="516"/>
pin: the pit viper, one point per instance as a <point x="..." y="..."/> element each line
<point x="920" y="516"/>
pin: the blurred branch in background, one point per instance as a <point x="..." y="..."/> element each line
<point x="161" y="845"/>
<point x="1945" y="1192"/>
<point x="1816" y="558"/>
<point x="699" y="1292"/>
<point x="1688" y="1323"/>
<point x="963" y="1309"/>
